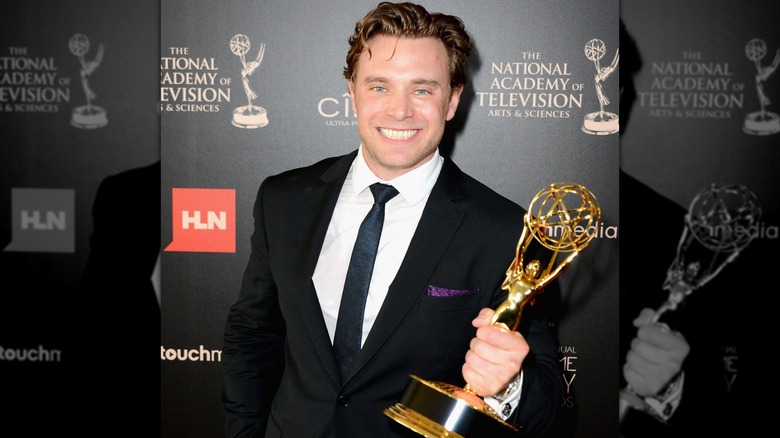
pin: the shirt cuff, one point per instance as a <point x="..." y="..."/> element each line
<point x="663" y="405"/>
<point x="506" y="404"/>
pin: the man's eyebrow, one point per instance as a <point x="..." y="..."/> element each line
<point x="427" y="82"/>
<point x="375" y="79"/>
<point x="421" y="81"/>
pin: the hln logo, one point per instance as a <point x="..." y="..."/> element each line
<point x="204" y="220"/>
<point x="43" y="220"/>
<point x="214" y="220"/>
<point x="54" y="220"/>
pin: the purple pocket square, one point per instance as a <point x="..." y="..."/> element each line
<point x="436" y="291"/>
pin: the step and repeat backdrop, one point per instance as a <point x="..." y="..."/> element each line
<point x="707" y="98"/>
<point x="250" y="89"/>
<point x="202" y="101"/>
<point x="94" y="93"/>
<point x="78" y="103"/>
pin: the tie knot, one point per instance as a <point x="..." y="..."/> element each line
<point x="383" y="192"/>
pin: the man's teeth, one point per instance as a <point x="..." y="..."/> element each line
<point x="397" y="135"/>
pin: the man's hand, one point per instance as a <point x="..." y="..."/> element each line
<point x="656" y="356"/>
<point x="495" y="356"/>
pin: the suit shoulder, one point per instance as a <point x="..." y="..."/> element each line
<point x="140" y="180"/>
<point x="485" y="197"/>
<point x="151" y="171"/>
<point x="311" y="173"/>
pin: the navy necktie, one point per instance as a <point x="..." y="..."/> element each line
<point x="349" y="327"/>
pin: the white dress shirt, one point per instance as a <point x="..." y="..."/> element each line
<point x="402" y="213"/>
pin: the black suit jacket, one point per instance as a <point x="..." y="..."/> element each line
<point x="125" y="243"/>
<point x="281" y="374"/>
<point x="120" y="305"/>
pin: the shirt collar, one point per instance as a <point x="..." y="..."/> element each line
<point x="414" y="186"/>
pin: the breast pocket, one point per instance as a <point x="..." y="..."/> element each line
<point x="441" y="299"/>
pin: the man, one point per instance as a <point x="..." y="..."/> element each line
<point x="445" y="246"/>
<point x="121" y="302"/>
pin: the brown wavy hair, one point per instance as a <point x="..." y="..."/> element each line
<point x="409" y="20"/>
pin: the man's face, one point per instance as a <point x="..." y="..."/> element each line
<point x="402" y="98"/>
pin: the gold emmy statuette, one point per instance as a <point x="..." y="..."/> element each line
<point x="719" y="225"/>
<point x="562" y="218"/>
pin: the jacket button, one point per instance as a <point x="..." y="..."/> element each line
<point x="343" y="401"/>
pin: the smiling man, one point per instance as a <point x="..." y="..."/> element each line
<point x="402" y="96"/>
<point x="309" y="353"/>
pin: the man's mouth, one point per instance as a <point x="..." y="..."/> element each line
<point x="397" y="135"/>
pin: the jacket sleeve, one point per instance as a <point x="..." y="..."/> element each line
<point x="543" y="385"/>
<point x="252" y="354"/>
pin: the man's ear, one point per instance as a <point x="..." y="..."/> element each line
<point x="351" y="87"/>
<point x="454" y="101"/>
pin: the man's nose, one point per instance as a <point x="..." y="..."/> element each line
<point x="401" y="106"/>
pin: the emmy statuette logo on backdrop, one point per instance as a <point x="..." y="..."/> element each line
<point x="248" y="116"/>
<point x="556" y="222"/>
<point x="87" y="116"/>
<point x="761" y="122"/>
<point x="718" y="226"/>
<point x="600" y="122"/>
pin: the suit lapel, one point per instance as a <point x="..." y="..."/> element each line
<point x="440" y="219"/>
<point x="320" y="199"/>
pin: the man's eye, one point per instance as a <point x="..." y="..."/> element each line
<point x="378" y="89"/>
<point x="422" y="92"/>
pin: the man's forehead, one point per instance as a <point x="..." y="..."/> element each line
<point x="386" y="47"/>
